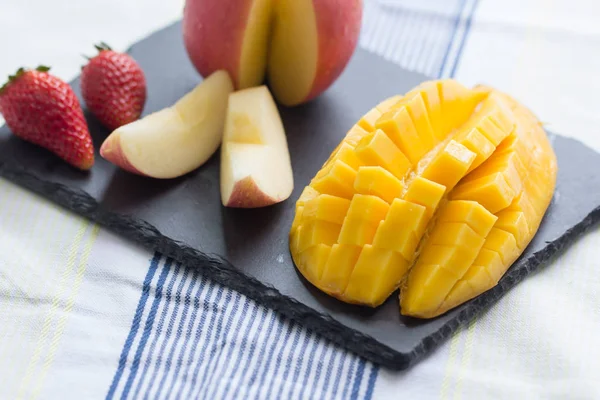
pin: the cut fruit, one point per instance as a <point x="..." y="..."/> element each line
<point x="449" y="165"/>
<point x="255" y="45"/>
<point x="338" y="268"/>
<point x="294" y="51"/>
<point x="327" y="208"/>
<point x="376" y="149"/>
<point x="302" y="45"/>
<point x="472" y="213"/>
<point x="378" y="182"/>
<point x="375" y="276"/>
<point x="336" y="180"/>
<point x="311" y="43"/>
<point x="176" y="140"/>
<point x="255" y="161"/>
<point x="436" y="192"/>
<point x="398" y="125"/>
<point x="217" y="38"/>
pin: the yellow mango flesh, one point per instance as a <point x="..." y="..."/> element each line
<point x="436" y="193"/>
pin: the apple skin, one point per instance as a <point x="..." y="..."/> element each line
<point x="112" y="152"/>
<point x="214" y="33"/>
<point x="177" y="139"/>
<point x="338" y="29"/>
<point x="247" y="194"/>
<point x="256" y="169"/>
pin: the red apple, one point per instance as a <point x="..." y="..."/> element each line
<point x="304" y="44"/>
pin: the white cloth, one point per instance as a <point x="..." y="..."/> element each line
<point x="84" y="314"/>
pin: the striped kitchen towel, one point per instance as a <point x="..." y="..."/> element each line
<point x="86" y="315"/>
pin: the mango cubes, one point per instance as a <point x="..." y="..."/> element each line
<point x="435" y="193"/>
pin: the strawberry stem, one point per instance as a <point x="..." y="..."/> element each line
<point x="102" y="47"/>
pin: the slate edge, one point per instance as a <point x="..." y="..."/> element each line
<point x="223" y="272"/>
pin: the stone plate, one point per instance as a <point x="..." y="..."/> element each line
<point x="247" y="250"/>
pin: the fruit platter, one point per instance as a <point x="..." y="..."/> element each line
<point x="380" y="208"/>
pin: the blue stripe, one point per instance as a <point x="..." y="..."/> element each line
<point x="429" y="46"/>
<point x="307" y="341"/>
<point x="298" y="363"/>
<point x="209" y="331"/>
<point x="404" y="35"/>
<point x="242" y="348"/>
<point x="269" y="357"/>
<point x="461" y="7"/>
<point x="420" y="39"/>
<point x="215" y="357"/>
<point x="464" y="39"/>
<point x="358" y="379"/>
<point x="338" y="376"/>
<point x="337" y="353"/>
<point x="349" y="379"/>
<point x="386" y="42"/>
<point x="198" y="334"/>
<point x="288" y="333"/>
<point x="311" y="358"/>
<point x="147" y="328"/>
<point x="178" y="335"/>
<point x="168" y="333"/>
<point x="255" y="369"/>
<point x="287" y="367"/>
<point x="135" y="325"/>
<point x="320" y="364"/>
<point x="371" y="383"/>
<point x="159" y="328"/>
<point x="217" y="331"/>
<point x="188" y="334"/>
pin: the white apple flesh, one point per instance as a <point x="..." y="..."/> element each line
<point x="176" y="140"/>
<point x="255" y="162"/>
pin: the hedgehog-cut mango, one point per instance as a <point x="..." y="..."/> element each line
<point x="435" y="193"/>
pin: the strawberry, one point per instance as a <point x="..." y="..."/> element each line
<point x="42" y="109"/>
<point x="113" y="87"/>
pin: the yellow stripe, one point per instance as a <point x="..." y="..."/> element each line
<point x="6" y="223"/>
<point x="24" y="208"/>
<point x="50" y="316"/>
<point x="25" y="275"/>
<point x="449" y="364"/>
<point x="6" y="189"/>
<point x="9" y="350"/>
<point x="466" y="358"/>
<point x="18" y="346"/>
<point x="67" y="311"/>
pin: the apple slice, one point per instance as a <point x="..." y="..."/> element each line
<point x="311" y="43"/>
<point x="175" y="140"/>
<point x="255" y="162"/>
<point x="231" y="35"/>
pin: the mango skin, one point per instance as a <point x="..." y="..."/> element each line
<point x="436" y="192"/>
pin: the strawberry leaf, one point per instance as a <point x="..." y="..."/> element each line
<point x="12" y="78"/>
<point x="102" y="47"/>
<point x="21" y="71"/>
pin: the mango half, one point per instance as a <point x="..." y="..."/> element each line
<point x="436" y="192"/>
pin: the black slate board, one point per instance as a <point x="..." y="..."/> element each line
<point x="248" y="249"/>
